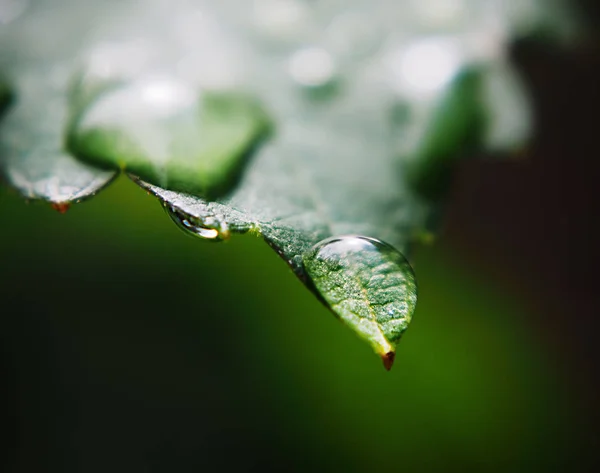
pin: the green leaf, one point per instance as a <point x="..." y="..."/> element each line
<point x="168" y="133"/>
<point x="36" y="56"/>
<point x="454" y="131"/>
<point x="369" y="285"/>
<point x="32" y="154"/>
<point x="368" y="122"/>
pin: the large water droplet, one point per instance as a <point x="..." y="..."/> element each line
<point x="368" y="284"/>
<point x="208" y="228"/>
<point x="171" y="134"/>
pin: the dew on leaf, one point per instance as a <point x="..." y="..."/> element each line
<point x="171" y="134"/>
<point x="368" y="284"/>
<point x="208" y="228"/>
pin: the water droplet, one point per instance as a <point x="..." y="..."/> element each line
<point x="208" y="228"/>
<point x="368" y="284"/>
<point x="171" y="134"/>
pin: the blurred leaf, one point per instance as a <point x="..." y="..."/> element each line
<point x="165" y="133"/>
<point x="455" y="130"/>
<point x="34" y="159"/>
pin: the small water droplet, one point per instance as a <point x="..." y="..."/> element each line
<point x="208" y="228"/>
<point x="368" y="284"/>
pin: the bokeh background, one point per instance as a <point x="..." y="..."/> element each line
<point x="129" y="346"/>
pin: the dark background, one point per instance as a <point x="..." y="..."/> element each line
<point x="127" y="346"/>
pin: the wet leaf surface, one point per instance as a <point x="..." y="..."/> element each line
<point x="368" y="123"/>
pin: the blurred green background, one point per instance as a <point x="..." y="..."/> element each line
<point x="129" y="346"/>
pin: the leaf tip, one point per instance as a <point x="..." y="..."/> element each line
<point x="61" y="207"/>
<point x="388" y="360"/>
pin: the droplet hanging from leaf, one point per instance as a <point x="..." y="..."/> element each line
<point x="369" y="285"/>
<point x="211" y="228"/>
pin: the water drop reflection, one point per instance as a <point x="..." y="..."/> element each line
<point x="208" y="228"/>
